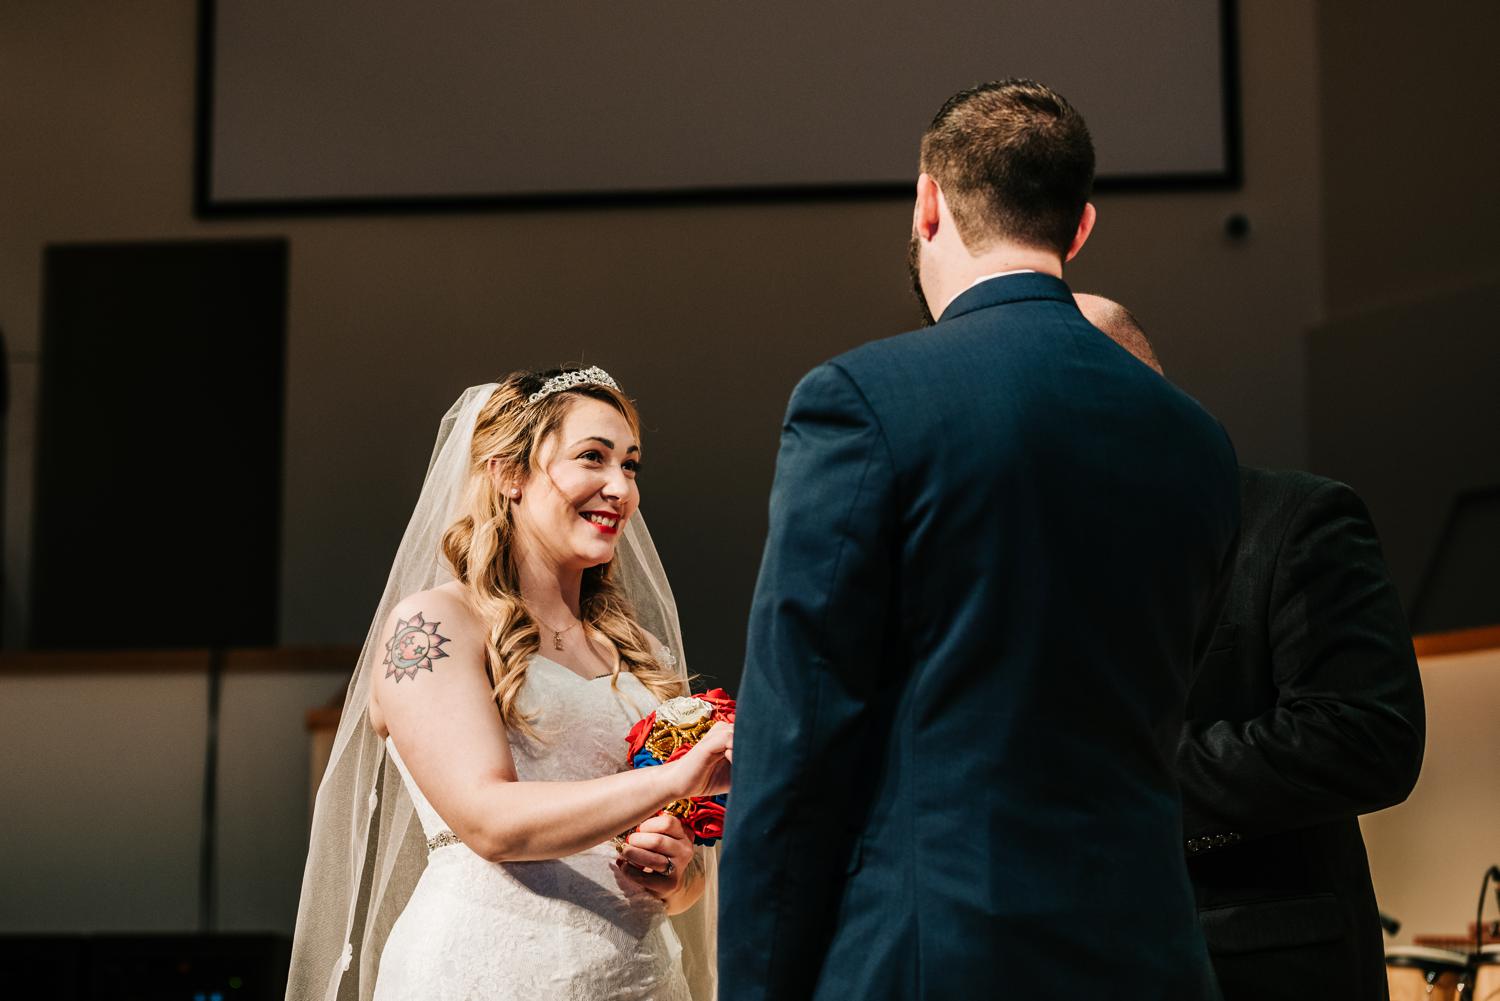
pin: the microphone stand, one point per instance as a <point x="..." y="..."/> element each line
<point x="208" y="845"/>
<point x="1493" y="872"/>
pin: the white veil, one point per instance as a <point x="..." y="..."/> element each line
<point x="365" y="853"/>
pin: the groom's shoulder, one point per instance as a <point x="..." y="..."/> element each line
<point x="890" y="372"/>
<point x="862" y="377"/>
<point x="917" y="360"/>
<point x="883" y="358"/>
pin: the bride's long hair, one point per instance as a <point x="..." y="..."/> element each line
<point x="481" y="547"/>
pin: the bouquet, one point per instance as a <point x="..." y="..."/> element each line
<point x="666" y="735"/>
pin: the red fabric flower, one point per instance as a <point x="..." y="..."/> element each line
<point x="722" y="703"/>
<point x="638" y="734"/>
<point x="678" y="753"/>
<point x="706" y="821"/>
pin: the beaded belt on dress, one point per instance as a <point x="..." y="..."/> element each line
<point x="442" y="840"/>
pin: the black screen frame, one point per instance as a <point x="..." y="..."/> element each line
<point x="207" y="206"/>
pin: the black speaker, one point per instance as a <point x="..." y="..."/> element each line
<point x="159" y="445"/>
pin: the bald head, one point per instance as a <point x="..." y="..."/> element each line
<point x="1117" y="323"/>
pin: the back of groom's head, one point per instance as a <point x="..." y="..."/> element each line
<point x="1015" y="162"/>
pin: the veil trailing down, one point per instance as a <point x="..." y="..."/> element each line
<point x="366" y="853"/>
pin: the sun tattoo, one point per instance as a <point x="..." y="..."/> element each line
<point x="415" y="645"/>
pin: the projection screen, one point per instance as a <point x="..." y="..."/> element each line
<point x="326" y="102"/>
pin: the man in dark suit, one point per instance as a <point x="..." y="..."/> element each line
<point x="997" y="549"/>
<point x="1306" y="714"/>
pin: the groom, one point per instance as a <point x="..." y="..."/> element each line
<point x="997" y="550"/>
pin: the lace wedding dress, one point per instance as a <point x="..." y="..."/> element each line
<point x="558" y="929"/>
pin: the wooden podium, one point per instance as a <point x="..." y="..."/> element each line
<point x="322" y="726"/>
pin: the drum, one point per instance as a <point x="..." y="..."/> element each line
<point x="1486" y="975"/>
<point x="1417" y="973"/>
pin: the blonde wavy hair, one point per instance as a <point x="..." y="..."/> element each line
<point x="481" y="547"/>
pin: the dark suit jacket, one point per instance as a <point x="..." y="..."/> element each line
<point x="997" y="548"/>
<point x="1306" y="713"/>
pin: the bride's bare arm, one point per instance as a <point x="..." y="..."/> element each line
<point x="433" y="697"/>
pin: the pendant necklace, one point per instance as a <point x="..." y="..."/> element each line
<point x="558" y="634"/>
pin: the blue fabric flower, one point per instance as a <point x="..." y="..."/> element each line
<point x="643" y="758"/>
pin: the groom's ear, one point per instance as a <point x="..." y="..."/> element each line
<point x="927" y="214"/>
<point x="1085" y="227"/>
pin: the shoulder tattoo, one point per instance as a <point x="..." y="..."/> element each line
<point x="415" y="645"/>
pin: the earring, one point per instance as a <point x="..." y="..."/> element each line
<point x="515" y="491"/>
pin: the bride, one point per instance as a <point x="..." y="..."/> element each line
<point x="515" y="646"/>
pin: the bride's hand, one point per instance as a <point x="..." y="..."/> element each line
<point x="656" y="858"/>
<point x="661" y="846"/>
<point x="704" y="770"/>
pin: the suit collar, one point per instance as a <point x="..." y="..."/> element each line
<point x="1010" y="288"/>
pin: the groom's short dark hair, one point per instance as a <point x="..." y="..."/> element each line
<point x="1015" y="162"/>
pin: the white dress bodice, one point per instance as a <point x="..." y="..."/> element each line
<point x="562" y="928"/>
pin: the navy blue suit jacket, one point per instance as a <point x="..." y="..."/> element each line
<point x="997" y="549"/>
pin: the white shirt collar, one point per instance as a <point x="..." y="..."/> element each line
<point x="1001" y="274"/>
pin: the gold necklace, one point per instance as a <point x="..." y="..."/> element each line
<point x="558" y="634"/>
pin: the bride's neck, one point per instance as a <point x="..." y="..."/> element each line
<point x="550" y="591"/>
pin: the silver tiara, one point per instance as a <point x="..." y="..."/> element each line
<point x="591" y="376"/>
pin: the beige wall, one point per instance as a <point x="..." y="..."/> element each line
<point x="708" y="313"/>
<point x="103" y="814"/>
<point x="264" y="798"/>
<point x="103" y="818"/>
<point x="1428" y="855"/>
